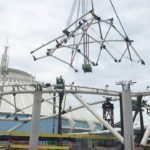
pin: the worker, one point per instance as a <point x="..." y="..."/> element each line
<point x="60" y="82"/>
<point x="57" y="81"/>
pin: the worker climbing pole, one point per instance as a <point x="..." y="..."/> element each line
<point x="60" y="84"/>
<point x="61" y="95"/>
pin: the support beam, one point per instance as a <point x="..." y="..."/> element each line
<point x="121" y="114"/>
<point x="146" y="136"/>
<point x="33" y="143"/>
<point x="61" y="95"/>
<point x="112" y="130"/>
<point x="68" y="89"/>
<point x="25" y="120"/>
<point x="127" y="115"/>
<point x="139" y="99"/>
<point x="54" y="111"/>
<point x="15" y="127"/>
<point x="121" y="118"/>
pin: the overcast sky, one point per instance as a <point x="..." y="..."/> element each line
<point x="29" y="23"/>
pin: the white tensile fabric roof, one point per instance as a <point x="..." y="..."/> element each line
<point x="24" y="102"/>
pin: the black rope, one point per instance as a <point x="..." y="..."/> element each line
<point x="84" y="50"/>
<point x="118" y="18"/>
<point x="92" y="4"/>
<point x="75" y="38"/>
<point x="83" y="7"/>
<point x="87" y="53"/>
<point x="71" y="13"/>
<point x="88" y="48"/>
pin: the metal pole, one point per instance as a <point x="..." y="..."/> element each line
<point x="139" y="99"/>
<point x="121" y="118"/>
<point x="36" y="110"/>
<point x="61" y="95"/>
<point x="121" y="114"/>
<point x="127" y="115"/>
<point x="112" y="130"/>
<point x="146" y="136"/>
<point x="54" y="111"/>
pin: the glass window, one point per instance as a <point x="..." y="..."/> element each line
<point x="98" y="126"/>
<point x="81" y="124"/>
<point x="65" y="122"/>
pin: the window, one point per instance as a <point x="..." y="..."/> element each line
<point x="81" y="124"/>
<point x="98" y="126"/>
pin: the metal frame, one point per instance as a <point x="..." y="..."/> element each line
<point x="80" y="28"/>
<point x="75" y="90"/>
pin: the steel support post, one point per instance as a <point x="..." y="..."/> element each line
<point x="127" y="115"/>
<point x="61" y="95"/>
<point x="121" y="114"/>
<point x="54" y="111"/>
<point x="112" y="130"/>
<point x="36" y="110"/>
<point x="146" y="136"/>
<point x="139" y="99"/>
<point x="121" y="118"/>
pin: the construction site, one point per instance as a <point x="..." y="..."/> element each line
<point x="64" y="115"/>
